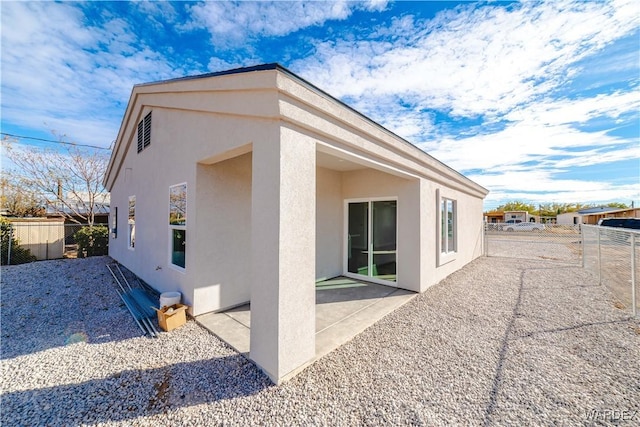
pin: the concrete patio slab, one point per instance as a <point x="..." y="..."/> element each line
<point x="344" y="308"/>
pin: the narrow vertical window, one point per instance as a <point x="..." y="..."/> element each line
<point x="448" y="226"/>
<point x="132" y="222"/>
<point x="451" y="226"/>
<point x="178" y="224"/>
<point x="443" y="226"/>
<point x="114" y="222"/>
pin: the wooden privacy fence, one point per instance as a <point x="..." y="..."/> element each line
<point x="43" y="237"/>
<point x="35" y="239"/>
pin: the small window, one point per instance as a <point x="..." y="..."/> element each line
<point x="178" y="224"/>
<point x="448" y="226"/>
<point x="114" y="223"/>
<point x="132" y="222"/>
<point x="144" y="133"/>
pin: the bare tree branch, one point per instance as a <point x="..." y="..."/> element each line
<point x="69" y="179"/>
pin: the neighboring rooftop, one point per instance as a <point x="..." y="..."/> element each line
<point x="599" y="209"/>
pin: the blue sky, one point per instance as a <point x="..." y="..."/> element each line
<point x="536" y="101"/>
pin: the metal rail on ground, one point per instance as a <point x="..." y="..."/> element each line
<point x="136" y="300"/>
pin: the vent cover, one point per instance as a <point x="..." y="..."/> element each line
<point x="144" y="133"/>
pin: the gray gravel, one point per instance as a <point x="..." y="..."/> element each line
<point x="501" y="342"/>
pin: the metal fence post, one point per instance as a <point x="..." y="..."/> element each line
<point x="581" y="234"/>
<point x="633" y="275"/>
<point x="485" y="240"/>
<point x="10" y="241"/>
<point x="599" y="259"/>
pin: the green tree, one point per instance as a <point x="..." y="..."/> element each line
<point x="551" y="209"/>
<point x="517" y="206"/>
<point x="617" y="205"/>
<point x="92" y="241"/>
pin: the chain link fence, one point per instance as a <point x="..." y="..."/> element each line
<point x="25" y="241"/>
<point x="614" y="255"/>
<point x="530" y="240"/>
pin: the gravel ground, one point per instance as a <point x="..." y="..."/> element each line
<point x="501" y="342"/>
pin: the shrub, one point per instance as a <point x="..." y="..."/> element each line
<point x="92" y="241"/>
<point x="19" y="255"/>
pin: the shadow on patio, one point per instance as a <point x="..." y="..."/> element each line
<point x="344" y="308"/>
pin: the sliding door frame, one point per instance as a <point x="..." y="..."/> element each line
<point x="345" y="239"/>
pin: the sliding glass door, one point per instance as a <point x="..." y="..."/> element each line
<point x="372" y="238"/>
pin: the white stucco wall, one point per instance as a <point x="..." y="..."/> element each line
<point x="569" y="218"/>
<point x="180" y="140"/>
<point x="329" y="227"/>
<point x="283" y="253"/>
<point x="370" y="183"/>
<point x="222" y="247"/>
<point x="469" y="232"/>
<point x="148" y="176"/>
<point x="263" y="220"/>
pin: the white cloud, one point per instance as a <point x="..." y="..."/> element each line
<point x="390" y="113"/>
<point x="472" y="60"/>
<point x="499" y="66"/>
<point x="158" y="12"/>
<point x="503" y="65"/>
<point x="518" y="144"/>
<point x="564" y="111"/>
<point x="235" y="22"/>
<point x="544" y="133"/>
<point x="584" y="192"/>
<point x="68" y="76"/>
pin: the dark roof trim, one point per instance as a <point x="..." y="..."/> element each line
<point x="261" y="67"/>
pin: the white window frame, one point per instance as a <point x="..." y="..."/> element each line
<point x="131" y="224"/>
<point x="114" y="222"/>
<point x="173" y="227"/>
<point x="448" y="253"/>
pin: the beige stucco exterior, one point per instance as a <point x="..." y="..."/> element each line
<point x="270" y="163"/>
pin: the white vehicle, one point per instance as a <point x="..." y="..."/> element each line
<point x="524" y="226"/>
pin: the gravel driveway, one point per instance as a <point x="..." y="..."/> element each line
<point x="501" y="342"/>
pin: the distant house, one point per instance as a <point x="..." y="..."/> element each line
<point x="494" y="217"/>
<point x="251" y="184"/>
<point x="593" y="215"/>
<point x="507" y="216"/>
<point x="517" y="216"/>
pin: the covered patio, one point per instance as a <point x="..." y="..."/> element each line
<point x="344" y="308"/>
<point x="284" y="186"/>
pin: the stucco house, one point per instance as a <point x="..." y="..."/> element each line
<point x="593" y="215"/>
<point x="250" y="185"/>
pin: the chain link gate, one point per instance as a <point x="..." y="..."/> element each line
<point x="530" y="240"/>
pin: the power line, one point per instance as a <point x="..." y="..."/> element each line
<point x="55" y="142"/>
